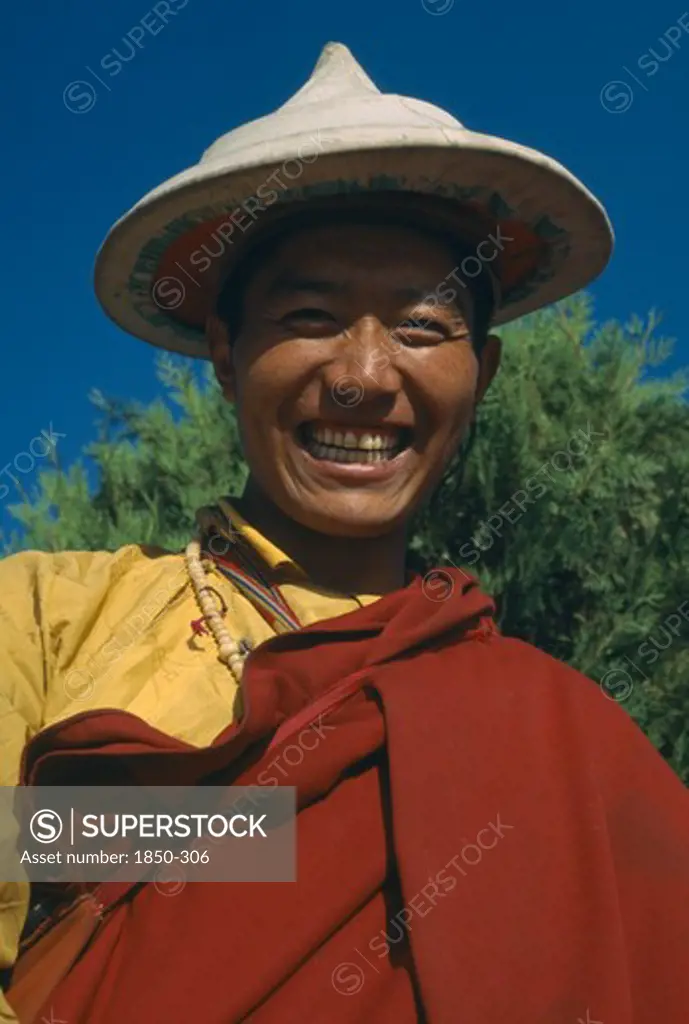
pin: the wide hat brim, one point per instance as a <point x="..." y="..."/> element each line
<point x="525" y="217"/>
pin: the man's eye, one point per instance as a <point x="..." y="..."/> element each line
<point x="310" y="314"/>
<point x="423" y="330"/>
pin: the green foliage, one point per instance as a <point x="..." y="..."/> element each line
<point x="154" y="470"/>
<point x="572" y="508"/>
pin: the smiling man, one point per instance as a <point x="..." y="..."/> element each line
<point x="353" y="384"/>
<point x="482" y="834"/>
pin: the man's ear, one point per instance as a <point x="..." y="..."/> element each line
<point x="489" y="361"/>
<point x="218" y="338"/>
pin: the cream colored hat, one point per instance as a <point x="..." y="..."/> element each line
<point x="339" y="138"/>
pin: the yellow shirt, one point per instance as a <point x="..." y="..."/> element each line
<point x="81" y="630"/>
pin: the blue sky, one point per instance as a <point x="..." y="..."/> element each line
<point x="536" y="73"/>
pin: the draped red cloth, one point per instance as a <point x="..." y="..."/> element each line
<point x="483" y="836"/>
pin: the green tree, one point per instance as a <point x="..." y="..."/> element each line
<point x="572" y="507"/>
<point x="155" y="465"/>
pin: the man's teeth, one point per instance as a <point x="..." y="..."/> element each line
<point x="322" y="451"/>
<point x="348" y="439"/>
<point x="346" y="446"/>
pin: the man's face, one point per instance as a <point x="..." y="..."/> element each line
<point x="353" y="384"/>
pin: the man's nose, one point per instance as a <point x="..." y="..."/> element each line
<point x="365" y="357"/>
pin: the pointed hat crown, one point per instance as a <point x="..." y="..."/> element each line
<point x="337" y="73"/>
<point x="338" y="95"/>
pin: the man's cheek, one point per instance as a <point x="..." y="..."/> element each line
<point x="454" y="422"/>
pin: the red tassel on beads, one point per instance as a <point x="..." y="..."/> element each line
<point x="198" y="627"/>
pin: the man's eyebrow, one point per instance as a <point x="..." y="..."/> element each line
<point x="289" y="282"/>
<point x="425" y="296"/>
<point x="412" y="294"/>
<point x="424" y="300"/>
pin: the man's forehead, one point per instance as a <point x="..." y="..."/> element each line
<point x="338" y="239"/>
<point x="290" y="281"/>
<point x="316" y="262"/>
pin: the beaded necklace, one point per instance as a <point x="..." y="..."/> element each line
<point x="229" y="651"/>
<point x="220" y="547"/>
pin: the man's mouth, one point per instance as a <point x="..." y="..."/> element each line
<point x="337" y="443"/>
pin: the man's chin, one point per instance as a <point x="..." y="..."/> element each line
<point x="362" y="520"/>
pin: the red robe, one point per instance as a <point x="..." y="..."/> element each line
<point x="483" y="836"/>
